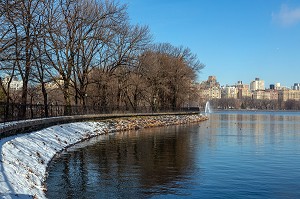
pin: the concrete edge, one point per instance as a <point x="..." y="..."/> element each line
<point x="25" y="126"/>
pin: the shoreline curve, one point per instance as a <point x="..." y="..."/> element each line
<point x="24" y="158"/>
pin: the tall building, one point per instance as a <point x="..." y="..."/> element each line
<point x="296" y="86"/>
<point x="257" y="84"/>
<point x="210" y="89"/>
<point x="277" y="86"/>
<point x="229" y="92"/>
<point x="211" y="82"/>
<point x="243" y="90"/>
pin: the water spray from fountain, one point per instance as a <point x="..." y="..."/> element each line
<point x="207" y="108"/>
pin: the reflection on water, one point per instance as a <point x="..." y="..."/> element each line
<point x="140" y="163"/>
<point x="272" y="126"/>
<point x="232" y="155"/>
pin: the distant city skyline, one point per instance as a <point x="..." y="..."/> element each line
<point x="239" y="40"/>
<point x="234" y="82"/>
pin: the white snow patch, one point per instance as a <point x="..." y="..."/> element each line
<point x="24" y="158"/>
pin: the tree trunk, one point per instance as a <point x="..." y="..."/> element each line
<point x="22" y="111"/>
<point x="104" y="98"/>
<point x="66" y="92"/>
<point x="45" y="96"/>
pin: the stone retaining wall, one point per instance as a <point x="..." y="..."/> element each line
<point x="24" y="126"/>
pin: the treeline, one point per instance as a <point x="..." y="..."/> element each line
<point x="259" y="104"/>
<point x="86" y="53"/>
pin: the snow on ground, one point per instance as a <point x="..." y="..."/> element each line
<point x="24" y="158"/>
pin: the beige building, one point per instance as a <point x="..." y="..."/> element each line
<point x="265" y="94"/>
<point x="273" y="94"/>
<point x="230" y="92"/>
<point x="243" y="90"/>
<point x="257" y="84"/>
<point x="284" y="95"/>
<point x="210" y="89"/>
<point x="211" y="82"/>
<point x="211" y="93"/>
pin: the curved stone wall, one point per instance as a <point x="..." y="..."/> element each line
<point x="24" y="158"/>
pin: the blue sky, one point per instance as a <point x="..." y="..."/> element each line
<point x="235" y="39"/>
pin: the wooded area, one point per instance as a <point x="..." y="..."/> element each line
<point x="86" y="53"/>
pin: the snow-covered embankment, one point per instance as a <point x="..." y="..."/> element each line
<point x="24" y="158"/>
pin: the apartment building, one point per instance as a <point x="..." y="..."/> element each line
<point x="257" y="84"/>
<point x="243" y="90"/>
<point x="229" y="92"/>
<point x="210" y="89"/>
<point x="284" y="95"/>
<point x="211" y="93"/>
<point x="269" y="94"/>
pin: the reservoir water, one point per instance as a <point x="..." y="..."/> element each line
<point x="232" y="155"/>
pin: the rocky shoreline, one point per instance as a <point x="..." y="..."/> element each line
<point x="131" y="123"/>
<point x="24" y="158"/>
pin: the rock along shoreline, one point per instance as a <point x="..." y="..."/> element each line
<point x="24" y="158"/>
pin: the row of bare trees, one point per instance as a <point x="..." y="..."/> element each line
<point x="162" y="79"/>
<point x="94" y="56"/>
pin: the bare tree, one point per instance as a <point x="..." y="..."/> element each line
<point x="6" y="29"/>
<point x="7" y="49"/>
<point x="90" y="50"/>
<point x="122" y="50"/>
<point x="21" y="20"/>
<point x="77" y="32"/>
<point x="60" y="47"/>
<point x="94" y="33"/>
<point x="134" y="91"/>
<point x="169" y="72"/>
<point x="40" y="77"/>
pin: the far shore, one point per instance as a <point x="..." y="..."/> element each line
<point x="254" y="110"/>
